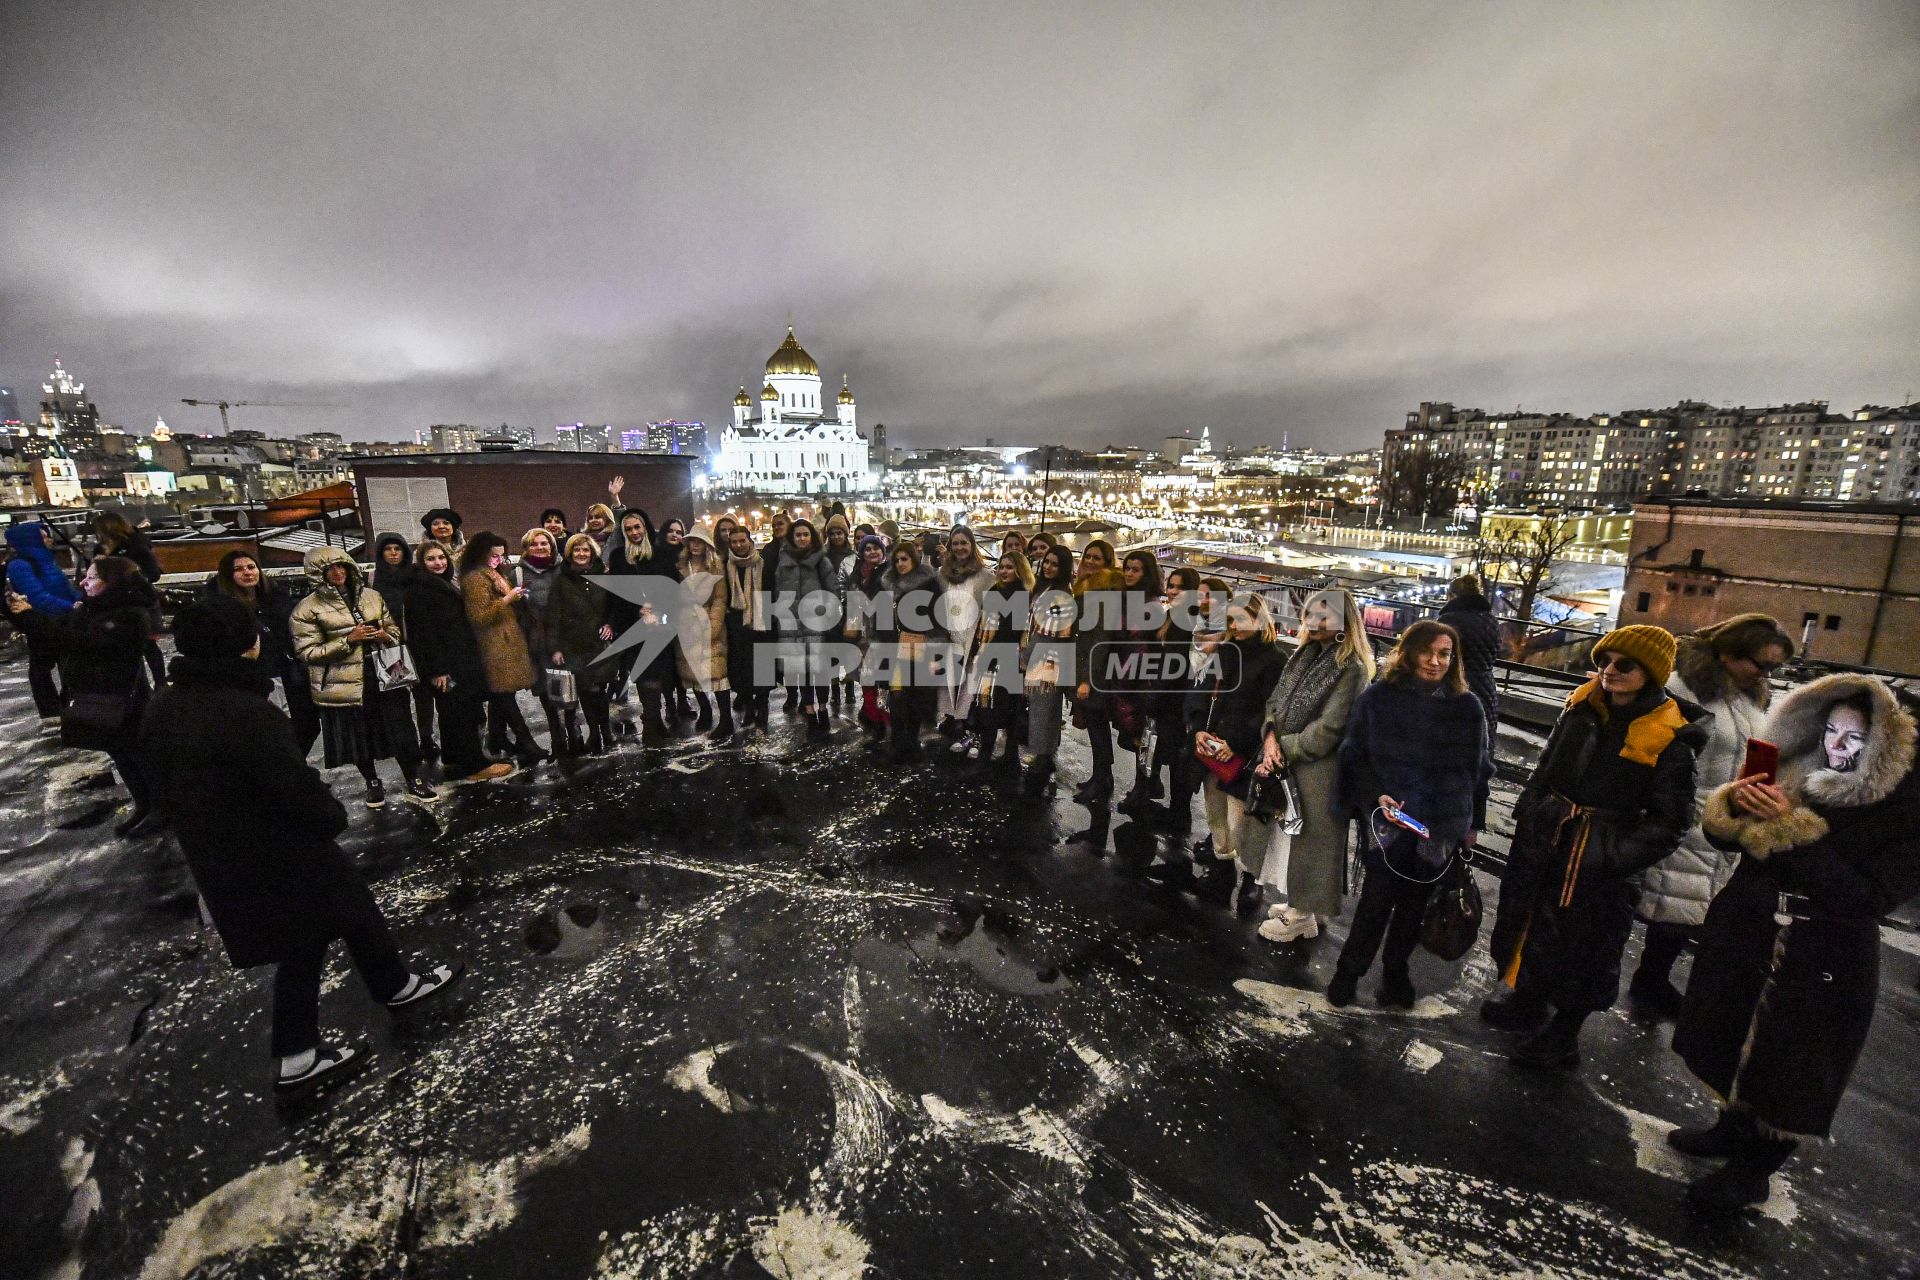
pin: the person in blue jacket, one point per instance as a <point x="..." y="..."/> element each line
<point x="35" y="574"/>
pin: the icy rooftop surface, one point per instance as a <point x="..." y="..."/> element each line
<point x="781" y="1012"/>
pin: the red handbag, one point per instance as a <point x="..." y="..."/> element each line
<point x="1227" y="771"/>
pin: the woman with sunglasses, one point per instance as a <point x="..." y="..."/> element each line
<point x="1612" y="795"/>
<point x="1724" y="669"/>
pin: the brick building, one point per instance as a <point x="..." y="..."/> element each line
<point x="1846" y="576"/>
<point x="505" y="491"/>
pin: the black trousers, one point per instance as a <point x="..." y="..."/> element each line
<point x="127" y="765"/>
<point x="425" y="699"/>
<point x="41" y="665"/>
<point x="462" y="712"/>
<point x="300" y="709"/>
<point x="1664" y="944"/>
<point x="296" y="981"/>
<point x="1390" y="907"/>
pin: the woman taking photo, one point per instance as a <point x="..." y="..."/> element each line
<point x="701" y="623"/>
<point x="1415" y="744"/>
<point x="1306" y="720"/>
<point x="447" y="658"/>
<point x="577" y="633"/>
<point x="238" y="577"/>
<point x="1097" y="600"/>
<point x="336" y="630"/>
<point x="1723" y="670"/>
<point x="1049" y="663"/>
<point x="1611" y="796"/>
<point x="101" y="646"/>
<point x="803" y="596"/>
<point x="490" y="602"/>
<point x="1226" y="713"/>
<point x="1783" y="989"/>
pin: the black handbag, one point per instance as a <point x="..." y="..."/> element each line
<point x="89" y="720"/>
<point x="1451" y="923"/>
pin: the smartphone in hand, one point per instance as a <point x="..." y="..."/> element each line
<point x="1400" y="819"/>
<point x="1763" y="760"/>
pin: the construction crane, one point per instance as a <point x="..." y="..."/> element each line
<point x="226" y="428"/>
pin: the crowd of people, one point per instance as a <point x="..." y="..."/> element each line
<point x="1639" y="807"/>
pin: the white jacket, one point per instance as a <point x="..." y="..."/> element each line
<point x="1679" y="888"/>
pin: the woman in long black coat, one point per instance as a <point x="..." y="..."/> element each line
<point x="101" y="645"/>
<point x="578" y="632"/>
<point x="239" y="577"/>
<point x="447" y="657"/>
<point x="1784" y="985"/>
<point x="637" y="550"/>
<point x="1611" y="796"/>
<point x="257" y="826"/>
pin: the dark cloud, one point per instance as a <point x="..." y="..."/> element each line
<point x="1082" y="221"/>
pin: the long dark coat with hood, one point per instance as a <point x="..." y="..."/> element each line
<point x="439" y="634"/>
<point x="1612" y="795"/>
<point x="256" y="823"/>
<point x="1776" y="1015"/>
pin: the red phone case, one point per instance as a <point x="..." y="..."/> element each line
<point x="1763" y="758"/>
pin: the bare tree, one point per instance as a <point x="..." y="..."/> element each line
<point x="1523" y="557"/>
<point x="1421" y="481"/>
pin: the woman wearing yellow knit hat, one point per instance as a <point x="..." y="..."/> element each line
<point x="1612" y="795"/>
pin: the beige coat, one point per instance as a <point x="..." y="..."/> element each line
<point x="503" y="645"/>
<point x="701" y="625"/>
<point x="336" y="666"/>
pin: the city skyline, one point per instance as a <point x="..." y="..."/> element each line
<point x="1261" y="220"/>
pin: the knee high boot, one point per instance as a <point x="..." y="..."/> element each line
<point x="653" y="727"/>
<point x="704" y="721"/>
<point x="723" y="730"/>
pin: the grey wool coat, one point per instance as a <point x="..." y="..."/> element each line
<point x="1316" y="865"/>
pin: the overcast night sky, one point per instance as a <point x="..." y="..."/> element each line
<point x="1080" y="222"/>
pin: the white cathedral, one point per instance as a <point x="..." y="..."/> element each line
<point x="793" y="445"/>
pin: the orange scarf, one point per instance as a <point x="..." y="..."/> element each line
<point x="1648" y="735"/>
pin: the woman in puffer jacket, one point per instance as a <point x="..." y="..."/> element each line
<point x="336" y="630"/>
<point x="805" y="607"/>
<point x="1783" y="990"/>
<point x="1723" y="670"/>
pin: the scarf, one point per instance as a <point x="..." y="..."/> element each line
<point x="744" y="593"/>
<point x="1304" y="687"/>
<point x="956" y="570"/>
<point x="537" y="562"/>
<point x="1650" y="731"/>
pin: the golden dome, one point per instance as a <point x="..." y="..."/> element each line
<point x="768" y="393"/>
<point x="743" y="400"/>
<point x="846" y="392"/>
<point x="791" y="357"/>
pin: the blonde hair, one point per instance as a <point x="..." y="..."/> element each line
<point x="579" y="539"/>
<point x="1352" y="645"/>
<point x="603" y="510"/>
<point x="1022" y="567"/>
<point x="526" y="540"/>
<point x="1249" y="602"/>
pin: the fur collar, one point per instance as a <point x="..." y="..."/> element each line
<point x="1796" y="727"/>
<point x="1696" y="664"/>
<point x="1798" y="723"/>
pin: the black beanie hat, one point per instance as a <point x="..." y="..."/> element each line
<point x="215" y="628"/>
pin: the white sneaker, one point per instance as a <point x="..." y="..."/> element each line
<point x="959" y="747"/>
<point x="1281" y="911"/>
<point x="1290" y="930"/>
